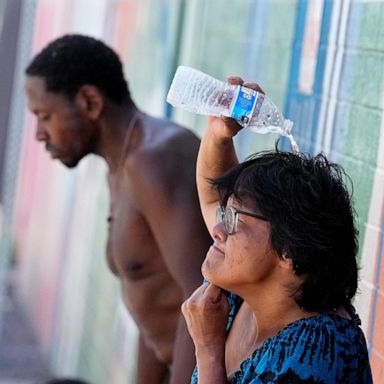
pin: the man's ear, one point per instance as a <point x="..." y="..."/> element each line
<point x="286" y="262"/>
<point x="90" y="101"/>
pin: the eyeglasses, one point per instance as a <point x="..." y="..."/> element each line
<point x="230" y="217"/>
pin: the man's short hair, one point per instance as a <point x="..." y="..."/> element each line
<point x="71" y="61"/>
<point x="308" y="206"/>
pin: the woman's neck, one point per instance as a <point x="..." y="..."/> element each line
<point x="273" y="308"/>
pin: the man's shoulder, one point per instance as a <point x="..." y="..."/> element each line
<point x="167" y="133"/>
<point x="164" y="143"/>
<point x="165" y="150"/>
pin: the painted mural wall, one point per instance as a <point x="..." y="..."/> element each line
<point x="321" y="61"/>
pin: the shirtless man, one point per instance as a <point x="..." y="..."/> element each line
<point x="157" y="238"/>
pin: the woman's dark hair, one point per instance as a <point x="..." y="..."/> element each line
<point x="307" y="204"/>
<point x="71" y="61"/>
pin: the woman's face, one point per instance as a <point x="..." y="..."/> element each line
<point x="243" y="258"/>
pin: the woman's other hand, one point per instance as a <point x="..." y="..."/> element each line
<point x="206" y="314"/>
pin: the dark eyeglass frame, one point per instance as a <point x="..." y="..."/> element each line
<point x="222" y="214"/>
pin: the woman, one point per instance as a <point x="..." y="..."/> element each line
<point x="281" y="273"/>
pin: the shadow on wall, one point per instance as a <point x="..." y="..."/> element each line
<point x="62" y="381"/>
<point x="20" y="355"/>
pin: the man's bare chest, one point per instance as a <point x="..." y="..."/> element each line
<point x="132" y="250"/>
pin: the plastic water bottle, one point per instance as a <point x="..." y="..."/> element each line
<point x="200" y="93"/>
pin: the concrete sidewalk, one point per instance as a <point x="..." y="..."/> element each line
<point x="21" y="361"/>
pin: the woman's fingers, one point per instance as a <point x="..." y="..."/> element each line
<point x="254" y="86"/>
<point x="214" y="293"/>
<point x="206" y="294"/>
<point x="235" y="80"/>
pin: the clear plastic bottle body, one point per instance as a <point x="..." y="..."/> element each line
<point x="200" y="93"/>
<point x="196" y="92"/>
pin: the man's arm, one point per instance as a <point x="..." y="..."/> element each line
<point x="149" y="368"/>
<point x="167" y="198"/>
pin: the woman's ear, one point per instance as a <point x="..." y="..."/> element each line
<point x="90" y="101"/>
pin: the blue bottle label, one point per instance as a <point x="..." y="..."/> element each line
<point x="244" y="105"/>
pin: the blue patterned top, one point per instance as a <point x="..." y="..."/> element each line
<point x="322" y="349"/>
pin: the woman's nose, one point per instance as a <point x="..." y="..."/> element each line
<point x="219" y="232"/>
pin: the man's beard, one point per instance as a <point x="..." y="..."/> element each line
<point x="71" y="163"/>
